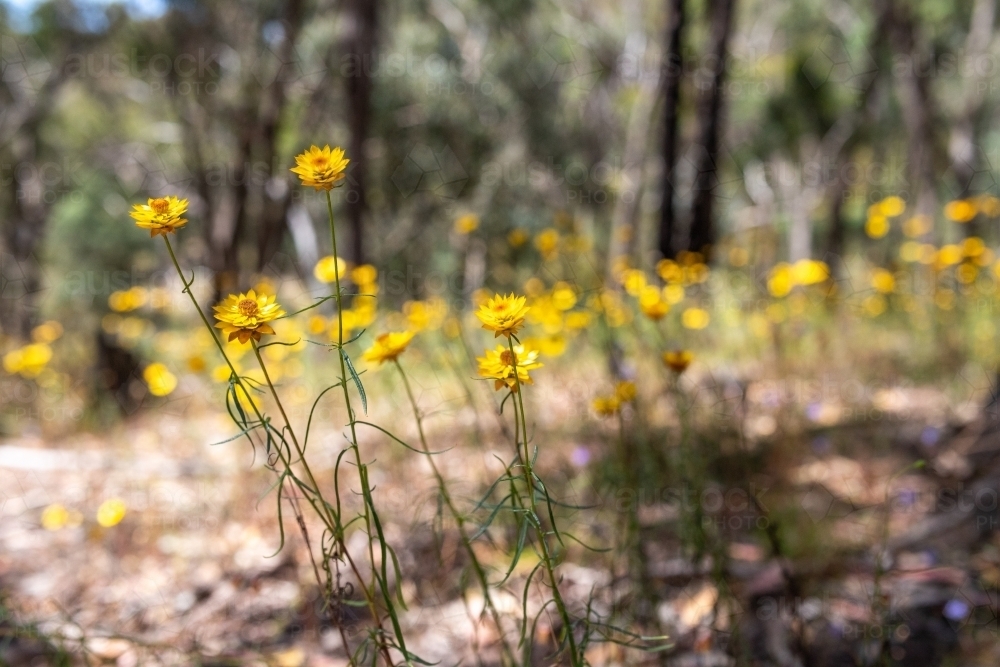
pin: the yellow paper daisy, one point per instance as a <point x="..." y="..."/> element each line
<point x="246" y="316"/>
<point x="498" y="365"/>
<point x="321" y="168"/>
<point x="503" y="314"/>
<point x="677" y="360"/>
<point x="388" y="347"/>
<point x="606" y="406"/>
<point x="160" y="216"/>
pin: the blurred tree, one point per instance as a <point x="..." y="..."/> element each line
<point x="362" y="19"/>
<point x="673" y="70"/>
<point x="703" y="229"/>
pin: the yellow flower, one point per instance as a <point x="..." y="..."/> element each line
<point x="517" y="237"/>
<point x="466" y="224"/>
<point x="28" y="361"/>
<point x="606" y="406"/>
<point x="960" y="210"/>
<point x="547" y="243"/>
<point x="877" y="225"/>
<point x="883" y="281"/>
<point x="503" y="314"/>
<point x="695" y="318"/>
<point x="498" y="365"/>
<point x="677" y="360"/>
<point x="161" y="215"/>
<point x="328" y="269"/>
<point x="54" y="517"/>
<point x="159" y="379"/>
<point x="321" y="168"/>
<point x="388" y="347"/>
<point x="625" y="391"/>
<point x="246" y="316"/>
<point x="47" y="332"/>
<point x="364" y="274"/>
<point x="650" y="303"/>
<point x="111" y="512"/>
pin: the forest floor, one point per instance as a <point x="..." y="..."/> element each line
<point x="823" y="542"/>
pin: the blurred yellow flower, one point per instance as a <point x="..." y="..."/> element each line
<point x="111" y="512"/>
<point x="246" y="316"/>
<point x="55" y="517"/>
<point x="633" y="280"/>
<point x="651" y="305"/>
<point x="950" y="254"/>
<point x="876" y="226"/>
<point x="989" y="206"/>
<point x="695" y="318"/>
<point x="123" y="301"/>
<point x="517" y="237"/>
<point x="161" y="215"/>
<point x="563" y="296"/>
<point x="579" y="319"/>
<point x="960" y="210"/>
<point x="47" y="332"/>
<point x="625" y="391"/>
<point x="909" y="251"/>
<point x="883" y="281"/>
<point x="669" y="271"/>
<point x="917" y="225"/>
<point x="328" y="269"/>
<point x="673" y="294"/>
<point x="547" y="243"/>
<point x="321" y="168"/>
<point x="779" y="280"/>
<point x="810" y="272"/>
<point x="388" y="347"/>
<point x="892" y="206"/>
<point x="503" y="315"/>
<point x="677" y="360"/>
<point x="28" y="361"/>
<point x="364" y="274"/>
<point x="738" y="256"/>
<point x="159" y="379"/>
<point x="606" y="406"/>
<point x="498" y="365"/>
<point x="466" y="224"/>
<point x="874" y="305"/>
<point x="973" y="246"/>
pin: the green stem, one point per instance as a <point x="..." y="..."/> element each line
<point x="366" y="491"/>
<point x="576" y="658"/>
<point x="456" y="515"/>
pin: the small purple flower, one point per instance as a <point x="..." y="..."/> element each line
<point x="930" y="436"/>
<point x="580" y="456"/>
<point x="956" y="610"/>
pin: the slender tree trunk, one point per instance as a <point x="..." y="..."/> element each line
<point x="361" y="52"/>
<point x="673" y="69"/>
<point x="703" y="233"/>
<point x="917" y="108"/>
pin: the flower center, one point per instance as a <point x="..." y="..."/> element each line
<point x="508" y="358"/>
<point x="159" y="206"/>
<point x="248" y="308"/>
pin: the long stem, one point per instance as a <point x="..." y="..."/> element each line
<point x="456" y="515"/>
<point x="546" y="556"/>
<point x="366" y="490"/>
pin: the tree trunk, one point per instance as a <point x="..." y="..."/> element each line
<point x="673" y="69"/>
<point x="702" y="208"/>
<point x="361" y="53"/>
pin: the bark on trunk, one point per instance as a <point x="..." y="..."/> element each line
<point x="673" y="69"/>
<point x="361" y="51"/>
<point x="703" y="231"/>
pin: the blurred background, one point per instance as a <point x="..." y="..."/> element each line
<point x="802" y="194"/>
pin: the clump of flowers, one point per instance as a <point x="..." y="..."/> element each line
<point x="28" y="361"/>
<point x="607" y="406"/>
<point x="161" y="216"/>
<point x="321" y="168"/>
<point x="246" y="316"/>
